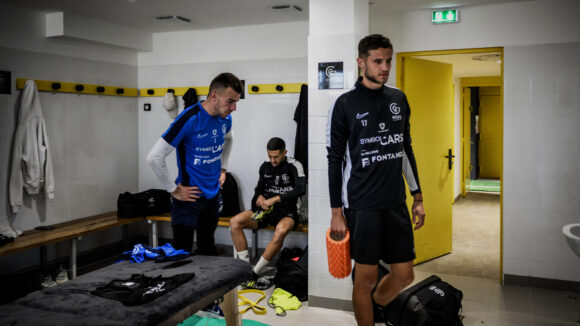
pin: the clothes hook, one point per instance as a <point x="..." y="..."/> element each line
<point x="255" y="89"/>
<point x="55" y="86"/>
<point x="79" y="88"/>
<point x="120" y="91"/>
<point x="171" y="90"/>
<point x="279" y="88"/>
<point x="100" y="89"/>
<point x="150" y="92"/>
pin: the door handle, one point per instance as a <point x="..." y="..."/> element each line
<point x="450" y="157"/>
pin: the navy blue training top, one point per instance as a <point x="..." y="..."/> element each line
<point x="198" y="138"/>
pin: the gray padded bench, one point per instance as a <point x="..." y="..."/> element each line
<point x="72" y="303"/>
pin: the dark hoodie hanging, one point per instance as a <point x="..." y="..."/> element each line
<point x="301" y="118"/>
<point x="190" y="98"/>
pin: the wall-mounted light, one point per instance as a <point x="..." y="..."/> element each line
<point x="280" y="8"/>
<point x="172" y="20"/>
<point x="488" y="57"/>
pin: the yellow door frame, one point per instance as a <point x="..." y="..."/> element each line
<point x="401" y="83"/>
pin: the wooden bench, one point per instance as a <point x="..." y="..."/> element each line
<point x="71" y="230"/>
<point x="223" y="221"/>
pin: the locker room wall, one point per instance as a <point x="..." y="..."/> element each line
<point x="93" y="139"/>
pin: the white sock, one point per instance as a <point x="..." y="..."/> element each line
<point x="260" y="265"/>
<point x="244" y="255"/>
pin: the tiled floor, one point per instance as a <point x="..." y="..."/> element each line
<point x="476" y="242"/>
<point x="485" y="302"/>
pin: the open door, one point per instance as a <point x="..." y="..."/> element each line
<point x="429" y="89"/>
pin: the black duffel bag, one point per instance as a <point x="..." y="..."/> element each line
<point x="291" y="274"/>
<point x="146" y="203"/>
<point x="431" y="302"/>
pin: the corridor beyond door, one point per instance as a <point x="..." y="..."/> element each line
<point x="476" y="237"/>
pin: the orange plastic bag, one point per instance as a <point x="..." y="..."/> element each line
<point x="338" y="252"/>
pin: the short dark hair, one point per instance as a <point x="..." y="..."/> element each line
<point x="373" y="42"/>
<point x="225" y="80"/>
<point x="276" y="144"/>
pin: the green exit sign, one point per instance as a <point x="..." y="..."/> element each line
<point x="445" y="16"/>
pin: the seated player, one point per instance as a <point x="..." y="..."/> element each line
<point x="281" y="182"/>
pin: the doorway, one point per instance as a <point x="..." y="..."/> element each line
<point x="475" y="215"/>
<point x="481" y="107"/>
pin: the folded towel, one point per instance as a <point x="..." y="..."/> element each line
<point x="170" y="105"/>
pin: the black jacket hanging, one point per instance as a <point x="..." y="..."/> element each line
<point x="230" y="197"/>
<point x="301" y="118"/>
<point x="190" y="98"/>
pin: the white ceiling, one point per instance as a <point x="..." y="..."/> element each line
<point x="206" y="14"/>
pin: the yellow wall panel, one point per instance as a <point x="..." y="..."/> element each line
<point x="489" y="129"/>
<point x="69" y="87"/>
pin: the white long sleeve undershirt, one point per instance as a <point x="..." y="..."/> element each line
<point x="227" y="149"/>
<point x="162" y="149"/>
<point x="156" y="160"/>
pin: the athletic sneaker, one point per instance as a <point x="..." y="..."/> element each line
<point x="48" y="282"/>
<point x="263" y="283"/>
<point x="258" y="283"/>
<point x="62" y="276"/>
<point x="259" y="214"/>
<point x="248" y="284"/>
<point x="214" y="308"/>
<point x="4" y="239"/>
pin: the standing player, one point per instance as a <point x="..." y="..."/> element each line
<point x="202" y="136"/>
<point x="369" y="150"/>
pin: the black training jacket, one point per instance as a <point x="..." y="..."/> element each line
<point x="369" y="149"/>
<point x="286" y="180"/>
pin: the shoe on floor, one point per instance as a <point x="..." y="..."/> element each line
<point x="5" y="239"/>
<point x="263" y="283"/>
<point x="248" y="284"/>
<point x="61" y="277"/>
<point x="258" y="283"/>
<point x="48" y="282"/>
<point x="214" y="308"/>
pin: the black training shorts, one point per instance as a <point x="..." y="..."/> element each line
<point x="277" y="214"/>
<point x="384" y="234"/>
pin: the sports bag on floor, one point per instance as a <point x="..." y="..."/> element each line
<point x="431" y="302"/>
<point x="292" y="272"/>
<point x="146" y="203"/>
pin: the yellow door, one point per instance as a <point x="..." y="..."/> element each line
<point x="429" y="89"/>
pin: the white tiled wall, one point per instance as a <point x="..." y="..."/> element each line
<point x="324" y="48"/>
<point x="93" y="141"/>
<point x="541" y="173"/>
